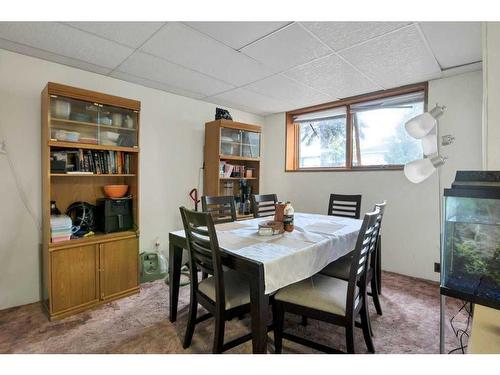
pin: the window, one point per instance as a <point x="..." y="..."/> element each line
<point x="365" y="132"/>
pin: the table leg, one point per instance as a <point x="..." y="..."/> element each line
<point x="259" y="311"/>
<point x="174" y="278"/>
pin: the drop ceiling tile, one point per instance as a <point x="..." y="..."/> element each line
<point x="286" y="48"/>
<point x="66" y="41"/>
<point x="155" y="85"/>
<point x="182" y="45"/>
<point x="333" y="76"/>
<point x="395" y="59"/>
<point x="339" y="35"/>
<point x="237" y="34"/>
<point x="282" y="88"/>
<point x="454" y="43"/>
<point x="131" y="34"/>
<point x="44" y="55"/>
<point x="241" y="98"/>
<point x="156" y="69"/>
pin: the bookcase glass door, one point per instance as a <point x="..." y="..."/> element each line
<point x="84" y="122"/>
<point x="242" y="143"/>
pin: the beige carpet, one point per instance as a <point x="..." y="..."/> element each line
<point x="139" y="324"/>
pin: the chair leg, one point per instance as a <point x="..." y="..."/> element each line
<point x="375" y="294"/>
<point x="366" y="326"/>
<point x="193" y="309"/>
<point x="219" y="334"/>
<point x="278" y="321"/>
<point x="349" y="338"/>
<point x="304" y="320"/>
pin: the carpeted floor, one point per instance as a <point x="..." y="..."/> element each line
<point x="139" y="324"/>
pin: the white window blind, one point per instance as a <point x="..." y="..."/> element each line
<point x="321" y="115"/>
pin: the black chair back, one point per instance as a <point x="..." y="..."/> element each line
<point x="264" y="205"/>
<point x="203" y="248"/>
<point x="365" y="244"/>
<point x="345" y="205"/>
<point x="222" y="208"/>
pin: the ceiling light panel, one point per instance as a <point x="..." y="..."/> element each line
<point x="395" y="59"/>
<point x="182" y="45"/>
<point x="131" y="34"/>
<point x="237" y="34"/>
<point x="454" y="43"/>
<point x="66" y="41"/>
<point x="287" y="48"/>
<point x="333" y="76"/>
<point x="159" y="70"/>
<point x="340" y="35"/>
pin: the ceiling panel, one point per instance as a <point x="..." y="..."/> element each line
<point x="66" y="41"/>
<point x="131" y="34"/>
<point x="287" y="48"/>
<point x="283" y="88"/>
<point x="395" y="59"/>
<point x="249" y="100"/>
<point x="182" y="45"/>
<point x="237" y="34"/>
<point x="333" y="76"/>
<point x="156" y="69"/>
<point x="155" y="85"/>
<point x="35" y="52"/>
<point x="454" y="43"/>
<point x="339" y="35"/>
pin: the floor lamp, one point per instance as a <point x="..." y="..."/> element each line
<point x="425" y="127"/>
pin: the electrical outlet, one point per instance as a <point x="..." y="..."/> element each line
<point x="437" y="267"/>
<point x="3" y="149"/>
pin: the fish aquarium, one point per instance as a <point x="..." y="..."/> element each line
<point x="470" y="251"/>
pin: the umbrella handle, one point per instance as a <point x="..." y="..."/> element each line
<point x="193" y="194"/>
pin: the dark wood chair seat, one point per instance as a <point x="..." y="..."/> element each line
<point x="237" y="290"/>
<point x="225" y="294"/>
<point x="341" y="267"/>
<point x="330" y="299"/>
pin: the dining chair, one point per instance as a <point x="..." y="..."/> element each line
<point x="341" y="267"/>
<point x="330" y="299"/>
<point x="222" y="208"/>
<point x="345" y="205"/>
<point x="264" y="205"/>
<point x="225" y="294"/>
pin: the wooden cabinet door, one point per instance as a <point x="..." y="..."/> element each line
<point x="119" y="261"/>
<point x="74" y="278"/>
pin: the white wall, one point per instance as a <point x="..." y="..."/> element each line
<point x="411" y="223"/>
<point x="172" y="135"/>
<point x="491" y="34"/>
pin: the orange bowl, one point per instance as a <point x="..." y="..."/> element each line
<point x="115" y="191"/>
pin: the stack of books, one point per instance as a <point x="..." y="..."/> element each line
<point x="60" y="228"/>
<point x="91" y="162"/>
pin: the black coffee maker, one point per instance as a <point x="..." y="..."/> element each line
<point x="245" y="191"/>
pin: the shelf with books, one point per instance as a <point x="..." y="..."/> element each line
<point x="89" y="146"/>
<point x="76" y="174"/>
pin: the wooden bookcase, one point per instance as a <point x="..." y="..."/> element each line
<point x="235" y="143"/>
<point x="85" y="272"/>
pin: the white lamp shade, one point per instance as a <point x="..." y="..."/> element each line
<point x="419" y="126"/>
<point x="430" y="143"/>
<point x="419" y="170"/>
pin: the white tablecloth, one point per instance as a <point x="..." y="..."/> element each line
<point x="290" y="257"/>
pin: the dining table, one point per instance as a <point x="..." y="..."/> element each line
<point x="270" y="262"/>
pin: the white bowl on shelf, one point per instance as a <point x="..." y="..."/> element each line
<point x="111" y="136"/>
<point x="65" y="135"/>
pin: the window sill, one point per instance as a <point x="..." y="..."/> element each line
<point x="353" y="169"/>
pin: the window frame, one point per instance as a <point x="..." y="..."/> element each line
<point x="292" y="131"/>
